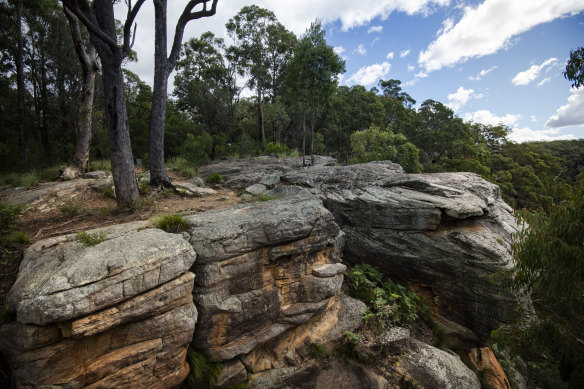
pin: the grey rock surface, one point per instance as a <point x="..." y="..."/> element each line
<point x="256" y="189"/>
<point x="434" y="368"/>
<point x="62" y="279"/>
<point x="254" y="271"/>
<point x="443" y="234"/>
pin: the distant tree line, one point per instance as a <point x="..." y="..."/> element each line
<point x="270" y="92"/>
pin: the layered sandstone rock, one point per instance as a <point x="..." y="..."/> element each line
<point x="442" y="234"/>
<point x="262" y="269"/>
<point x="116" y="314"/>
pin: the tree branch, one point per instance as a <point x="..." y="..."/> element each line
<point x="82" y="9"/>
<point x="186" y="17"/>
<point x="128" y="36"/>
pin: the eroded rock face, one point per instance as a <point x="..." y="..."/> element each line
<point x="116" y="314"/>
<point x="261" y="269"/>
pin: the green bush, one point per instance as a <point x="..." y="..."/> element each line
<point x="90" y="239"/>
<point x="349" y="347"/>
<point x="317" y="351"/>
<point x="387" y="302"/>
<point x="9" y="216"/>
<point x="109" y="192"/>
<point x="143" y="188"/>
<point x="30" y="179"/>
<point x="203" y="373"/>
<point x="183" y="167"/>
<point x="197" y="149"/>
<point x="100" y="164"/>
<point x="18" y="237"/>
<point x="49" y="173"/>
<point x="171" y="223"/>
<point x="214" y="178"/>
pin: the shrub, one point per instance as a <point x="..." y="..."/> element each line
<point x="197" y="149"/>
<point x="70" y="207"/>
<point x="182" y="166"/>
<point x="18" y="237"/>
<point x="109" y="192"/>
<point x="90" y="239"/>
<point x="143" y="188"/>
<point x="101" y="164"/>
<point x="49" y="173"/>
<point x="386" y="301"/>
<point x="203" y="373"/>
<point x="9" y="216"/>
<point x="317" y="351"/>
<point x="30" y="179"/>
<point x="349" y="348"/>
<point x="171" y="223"/>
<point x="214" y="178"/>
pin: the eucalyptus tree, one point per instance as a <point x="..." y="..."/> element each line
<point x="262" y="47"/>
<point x="20" y="86"/>
<point x="89" y="65"/>
<point x="98" y="17"/>
<point x="312" y="76"/>
<point x="163" y="66"/>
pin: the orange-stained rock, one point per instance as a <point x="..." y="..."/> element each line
<point x="484" y="361"/>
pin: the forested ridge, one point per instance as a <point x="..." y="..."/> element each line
<point x="262" y="95"/>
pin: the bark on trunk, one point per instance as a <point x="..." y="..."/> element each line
<point x="303" y="137"/>
<point x="119" y="136"/>
<point x="158" y="175"/>
<point x="262" y="119"/>
<point x="20" y="88"/>
<point x="312" y="136"/>
<point x="89" y="67"/>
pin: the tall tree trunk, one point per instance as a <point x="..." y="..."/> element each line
<point x="158" y="175"/>
<point x="89" y="66"/>
<point x="262" y="118"/>
<point x="119" y="135"/>
<point x="312" y="135"/>
<point x="20" y="88"/>
<point x="45" y="105"/>
<point x="303" y="137"/>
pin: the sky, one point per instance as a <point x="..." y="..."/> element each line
<point x="490" y="61"/>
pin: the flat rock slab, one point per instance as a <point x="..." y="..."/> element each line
<point x="62" y="279"/>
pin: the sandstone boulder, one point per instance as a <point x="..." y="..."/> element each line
<point x="116" y="314"/>
<point x="255" y="271"/>
<point x="442" y="234"/>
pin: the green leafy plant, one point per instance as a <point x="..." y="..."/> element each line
<point x="387" y="301"/>
<point x="9" y="215"/>
<point x="183" y="167"/>
<point x="109" y="192"/>
<point x="349" y="347"/>
<point x="214" y="178"/>
<point x="171" y="223"/>
<point x="90" y="239"/>
<point x="143" y="188"/>
<point x="30" y="179"/>
<point x="203" y="373"/>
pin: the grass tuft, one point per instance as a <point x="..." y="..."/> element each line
<point x="90" y="239"/>
<point x="18" y="237"/>
<point x="203" y="373"/>
<point x="171" y="223"/>
<point x="214" y="178"/>
<point x="9" y="215"/>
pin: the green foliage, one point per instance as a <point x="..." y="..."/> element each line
<point x="214" y="178"/>
<point x="197" y="149"/>
<point x="109" y="192"/>
<point x="267" y="197"/>
<point x="279" y="150"/>
<point x="90" y="239"/>
<point x="575" y="68"/>
<point x="387" y="302"/>
<point x="183" y="167"/>
<point x="143" y="188"/>
<point x="100" y="164"/>
<point x="30" y="179"/>
<point x="349" y="347"/>
<point x="9" y="215"/>
<point x="203" y="372"/>
<point x="548" y="253"/>
<point x="18" y="237"/>
<point x="172" y="223"/>
<point x="375" y="144"/>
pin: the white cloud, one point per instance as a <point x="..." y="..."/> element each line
<point x="490" y="27"/>
<point x="421" y="75"/>
<point x="404" y="53"/>
<point x="411" y="68"/>
<point x="295" y="15"/>
<point x="482" y="73"/>
<point x="339" y="50"/>
<point x="531" y="74"/>
<point x="533" y="118"/>
<point x="484" y="116"/>
<point x="374" y="40"/>
<point x="389" y="55"/>
<point x="368" y="75"/>
<point x="374" y="29"/>
<point x="459" y="98"/>
<point x="571" y="114"/>
<point x="544" y="81"/>
<point x="526" y="134"/>
<point x="360" y="49"/>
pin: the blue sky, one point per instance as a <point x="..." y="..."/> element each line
<point x="491" y="61"/>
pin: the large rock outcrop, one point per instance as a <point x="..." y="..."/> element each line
<point x="443" y="234"/>
<point x="116" y="314"/>
<point x="262" y="269"/>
